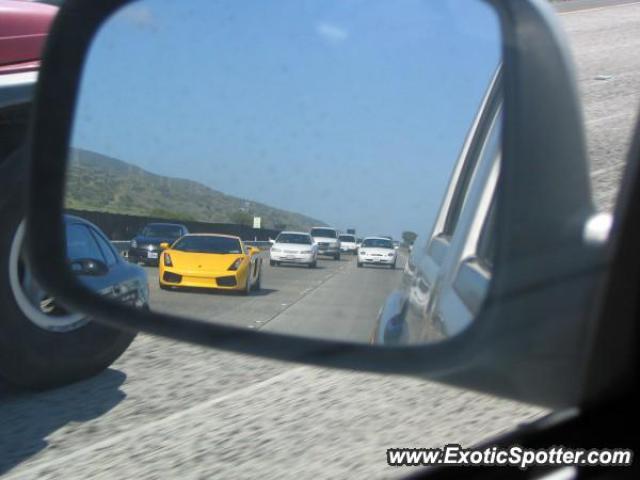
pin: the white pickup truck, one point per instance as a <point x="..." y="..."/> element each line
<point x="327" y="240"/>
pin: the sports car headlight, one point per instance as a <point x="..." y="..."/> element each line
<point x="167" y="260"/>
<point x="134" y="244"/>
<point x="235" y="265"/>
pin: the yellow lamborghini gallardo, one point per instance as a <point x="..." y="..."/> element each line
<point x="210" y="261"/>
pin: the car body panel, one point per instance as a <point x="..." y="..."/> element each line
<point x="444" y="281"/>
<point x="376" y="255"/>
<point x="300" y="253"/>
<point x="210" y="270"/>
<point x="24" y="29"/>
<point x="124" y="282"/>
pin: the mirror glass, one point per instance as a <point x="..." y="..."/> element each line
<point x="317" y="168"/>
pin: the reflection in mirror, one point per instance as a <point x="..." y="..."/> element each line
<point x="316" y="168"/>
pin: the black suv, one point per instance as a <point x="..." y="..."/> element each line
<point x="145" y="247"/>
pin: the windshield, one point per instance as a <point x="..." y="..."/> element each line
<point x="204" y="244"/>
<point x="294" y="238"/>
<point x="323" y="232"/>
<point x="162" y="231"/>
<point x="347" y="238"/>
<point x="377" y="243"/>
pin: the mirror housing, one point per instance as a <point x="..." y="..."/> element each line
<point x="164" y="245"/>
<point x="543" y="166"/>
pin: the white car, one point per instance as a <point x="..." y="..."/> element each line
<point x="377" y="251"/>
<point x="294" y="247"/>
<point x="348" y="243"/>
<point x="327" y="240"/>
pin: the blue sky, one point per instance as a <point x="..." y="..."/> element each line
<point x="350" y="111"/>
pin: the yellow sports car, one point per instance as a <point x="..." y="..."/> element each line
<point x="210" y="261"/>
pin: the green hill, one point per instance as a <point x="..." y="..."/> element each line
<point x="99" y="183"/>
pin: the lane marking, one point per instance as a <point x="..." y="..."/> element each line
<point x="595" y="9"/>
<point x="149" y="426"/>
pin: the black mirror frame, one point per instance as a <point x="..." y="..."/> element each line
<point x="491" y="355"/>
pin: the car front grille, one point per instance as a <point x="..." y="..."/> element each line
<point x="229" y="281"/>
<point x="172" y="277"/>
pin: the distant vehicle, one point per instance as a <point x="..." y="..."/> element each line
<point x="348" y="243"/>
<point x="396" y="244"/>
<point x="377" y="251"/>
<point x="294" y="247"/>
<point x="145" y="247"/>
<point x="327" y="240"/>
<point x="207" y="260"/>
<point x="351" y="231"/>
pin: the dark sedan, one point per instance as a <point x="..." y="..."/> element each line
<point x="145" y="247"/>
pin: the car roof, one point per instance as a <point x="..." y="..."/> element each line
<point x="325" y="228"/>
<point x="295" y="233"/>
<point x="376" y="238"/>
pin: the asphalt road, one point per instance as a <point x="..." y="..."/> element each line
<point x="167" y="410"/>
<point x="336" y="300"/>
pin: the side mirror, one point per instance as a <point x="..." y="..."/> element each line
<point x="89" y="266"/>
<point x="164" y="245"/>
<point x="525" y="94"/>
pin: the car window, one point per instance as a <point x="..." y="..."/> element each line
<point x="105" y="248"/>
<point x="377" y="243"/>
<point x="323" y="232"/>
<point x="169" y="231"/>
<point x="206" y="244"/>
<point x="82" y="244"/>
<point x="294" y="238"/>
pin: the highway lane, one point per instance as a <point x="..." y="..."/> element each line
<point x="167" y="409"/>
<point x="336" y="300"/>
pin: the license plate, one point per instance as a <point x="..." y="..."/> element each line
<point x="152" y="254"/>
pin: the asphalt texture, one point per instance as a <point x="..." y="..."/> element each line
<point x="172" y="410"/>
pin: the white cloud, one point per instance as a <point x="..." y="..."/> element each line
<point x="331" y="33"/>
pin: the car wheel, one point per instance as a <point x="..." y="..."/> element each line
<point x="359" y="264"/>
<point x="41" y="344"/>
<point x="336" y="256"/>
<point x="313" y="264"/>
<point x="258" y="285"/>
<point x="272" y="263"/>
<point x="33" y="352"/>
<point x="393" y="266"/>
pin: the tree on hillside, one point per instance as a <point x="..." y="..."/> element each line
<point x="241" y="217"/>
<point x="409" y="237"/>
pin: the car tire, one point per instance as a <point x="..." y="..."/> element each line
<point x="258" y="285"/>
<point x="393" y="266"/>
<point x="336" y="256"/>
<point x="313" y="264"/>
<point x="359" y="264"/>
<point x="272" y="263"/>
<point x="30" y="355"/>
